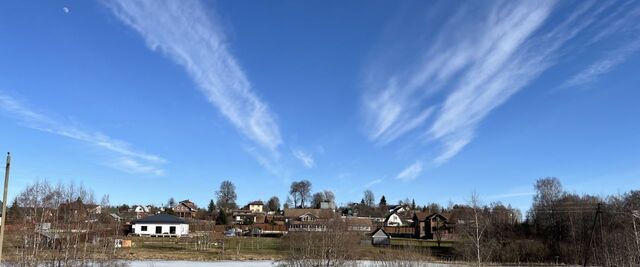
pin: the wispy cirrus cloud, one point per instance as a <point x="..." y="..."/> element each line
<point x="373" y="182"/>
<point x="475" y="62"/>
<point x="604" y="65"/>
<point x="411" y="172"/>
<point x="128" y="158"/>
<point x="193" y="39"/>
<point x="304" y="157"/>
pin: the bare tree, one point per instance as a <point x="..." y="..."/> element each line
<point x="332" y="247"/>
<point x="545" y="205"/>
<point x="317" y="199"/>
<point x="288" y="203"/>
<point x="300" y="191"/>
<point x="369" y="198"/>
<point x="474" y="223"/>
<point x="60" y="226"/>
<point x="330" y="197"/>
<point x="171" y="203"/>
<point x="104" y="202"/>
<point x="226" y="196"/>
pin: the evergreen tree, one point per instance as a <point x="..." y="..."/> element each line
<point x="212" y="207"/>
<point x="383" y="201"/>
<point x="221" y="219"/>
<point x="14" y="211"/>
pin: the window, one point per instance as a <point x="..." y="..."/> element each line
<point x="143" y="228"/>
<point x="158" y="229"/>
<point x="172" y="230"/>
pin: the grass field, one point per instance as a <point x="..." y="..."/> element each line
<point x="420" y="243"/>
<point x="235" y="248"/>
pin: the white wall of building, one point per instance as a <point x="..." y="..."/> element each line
<point x="139" y="229"/>
<point x="394" y="220"/>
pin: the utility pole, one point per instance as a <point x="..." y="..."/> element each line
<point x="4" y="203"/>
<point x="593" y="228"/>
<point x="636" y="214"/>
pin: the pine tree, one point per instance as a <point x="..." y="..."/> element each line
<point x="14" y="211"/>
<point x="383" y="201"/>
<point x="212" y="207"/>
<point x="221" y="219"/>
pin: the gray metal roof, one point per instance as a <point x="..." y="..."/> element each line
<point x="160" y="218"/>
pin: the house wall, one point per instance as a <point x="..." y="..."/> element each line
<point x="181" y="229"/>
<point x="255" y="208"/>
<point x="380" y="239"/>
<point x="394" y="220"/>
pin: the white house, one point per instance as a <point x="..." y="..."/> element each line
<point x="163" y="225"/>
<point x="394" y="220"/>
<point x="141" y="209"/>
<point x="256" y="206"/>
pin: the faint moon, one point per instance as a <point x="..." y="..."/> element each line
<point x="65" y="9"/>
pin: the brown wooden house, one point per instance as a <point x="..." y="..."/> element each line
<point x="186" y="209"/>
<point x="431" y="225"/>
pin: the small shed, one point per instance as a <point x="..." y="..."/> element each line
<point x="380" y="238"/>
<point x="162" y="225"/>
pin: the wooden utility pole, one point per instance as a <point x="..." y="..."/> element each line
<point x="593" y="228"/>
<point x="4" y="203"/>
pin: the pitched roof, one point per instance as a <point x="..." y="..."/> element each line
<point x="421" y="215"/>
<point x="318" y="213"/>
<point x="437" y="214"/>
<point x="257" y="202"/>
<point x="188" y="204"/>
<point x="378" y="231"/>
<point x="160" y="218"/>
<point x="358" y="221"/>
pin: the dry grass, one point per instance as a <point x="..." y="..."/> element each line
<point x="241" y="248"/>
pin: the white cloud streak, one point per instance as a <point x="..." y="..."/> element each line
<point x="411" y="172"/>
<point x="602" y="66"/>
<point x="373" y="182"/>
<point x="478" y="59"/>
<point x="182" y="31"/>
<point x="129" y="159"/>
<point x="304" y="157"/>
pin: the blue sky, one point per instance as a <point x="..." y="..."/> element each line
<point x="146" y="100"/>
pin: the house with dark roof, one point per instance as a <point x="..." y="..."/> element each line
<point x="186" y="209"/>
<point x="160" y="225"/>
<point x="313" y="220"/>
<point x="432" y="225"/>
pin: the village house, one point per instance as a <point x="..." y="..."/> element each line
<point x="431" y="225"/>
<point x="250" y="214"/>
<point x="328" y="205"/>
<point x="160" y="225"/>
<point x="247" y="217"/>
<point x="141" y="211"/>
<point x="359" y="224"/>
<point x="398" y="216"/>
<point x="186" y="209"/>
<point x="78" y="210"/>
<point x="314" y="220"/>
<point x="256" y="206"/>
